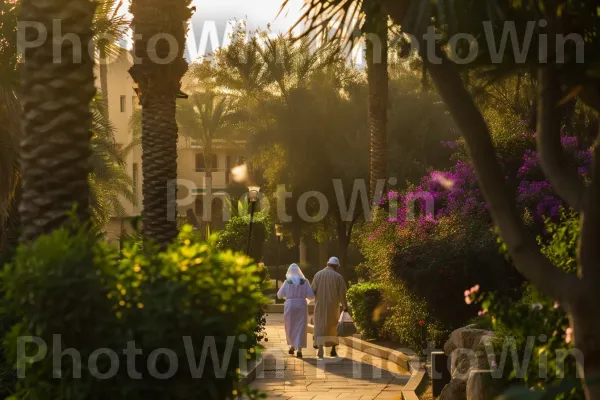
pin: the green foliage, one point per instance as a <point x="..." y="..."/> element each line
<point x="540" y="320"/>
<point x="235" y="234"/>
<point x="366" y="302"/>
<point x="407" y="315"/>
<point x="562" y="247"/>
<point x="73" y="286"/>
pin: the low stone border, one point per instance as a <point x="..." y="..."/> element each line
<point x="251" y="374"/>
<point x="414" y="365"/>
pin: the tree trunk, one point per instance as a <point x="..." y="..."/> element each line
<point x="377" y="72"/>
<point x="159" y="168"/>
<point x="158" y="69"/>
<point x="56" y="94"/>
<point x="104" y="78"/>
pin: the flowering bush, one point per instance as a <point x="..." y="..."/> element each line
<point x="407" y="318"/>
<point x="438" y="235"/>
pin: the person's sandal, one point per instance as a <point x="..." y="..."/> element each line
<point x="299" y="354"/>
<point x="291" y="351"/>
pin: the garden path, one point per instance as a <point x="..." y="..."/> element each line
<point x="352" y="375"/>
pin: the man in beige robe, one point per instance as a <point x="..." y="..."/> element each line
<point x="330" y="292"/>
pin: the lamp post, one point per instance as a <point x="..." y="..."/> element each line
<point x="279" y="234"/>
<point x="253" y="198"/>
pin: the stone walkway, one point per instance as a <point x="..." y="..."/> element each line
<point x="352" y="375"/>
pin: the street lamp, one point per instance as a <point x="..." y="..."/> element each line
<point x="253" y="198"/>
<point x="279" y="234"/>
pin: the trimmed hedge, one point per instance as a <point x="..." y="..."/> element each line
<point x="366" y="303"/>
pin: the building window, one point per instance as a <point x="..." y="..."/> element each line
<point x="123" y="100"/>
<point x="201" y="165"/>
<point x="134" y="177"/>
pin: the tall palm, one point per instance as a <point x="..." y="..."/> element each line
<point x="159" y="85"/>
<point x="56" y="121"/>
<point x="376" y="27"/>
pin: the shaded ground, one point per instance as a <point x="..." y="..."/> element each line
<point x="352" y="375"/>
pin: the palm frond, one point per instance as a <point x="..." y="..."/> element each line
<point x="338" y="20"/>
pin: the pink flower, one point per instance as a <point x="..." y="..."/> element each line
<point x="556" y="305"/>
<point x="467" y="293"/>
<point x="468" y="300"/>
<point x="493" y="363"/>
<point x="475" y="289"/>
<point x="482" y="313"/>
<point x="569" y="335"/>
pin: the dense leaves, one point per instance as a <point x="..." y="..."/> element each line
<point x="180" y="299"/>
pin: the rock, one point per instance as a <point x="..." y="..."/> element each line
<point x="455" y="390"/>
<point x="465" y="349"/>
<point x="465" y="338"/>
<point x="465" y="360"/>
<point x="481" y="385"/>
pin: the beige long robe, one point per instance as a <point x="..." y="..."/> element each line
<point x="330" y="292"/>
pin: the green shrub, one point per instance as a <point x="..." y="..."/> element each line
<point x="235" y="234"/>
<point x="406" y="317"/>
<point x="68" y="284"/>
<point x="366" y="302"/>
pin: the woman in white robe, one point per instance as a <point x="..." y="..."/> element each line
<point x="296" y="291"/>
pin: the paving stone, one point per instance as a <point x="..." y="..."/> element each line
<point x="353" y="375"/>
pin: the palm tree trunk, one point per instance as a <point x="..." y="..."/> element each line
<point x="159" y="167"/>
<point x="104" y="79"/>
<point x="377" y="71"/>
<point x="159" y="81"/>
<point x="56" y="95"/>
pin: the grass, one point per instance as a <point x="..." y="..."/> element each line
<point x="425" y="390"/>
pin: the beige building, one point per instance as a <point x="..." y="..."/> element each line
<point x="122" y="102"/>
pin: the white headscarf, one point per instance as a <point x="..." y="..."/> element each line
<point x="294" y="274"/>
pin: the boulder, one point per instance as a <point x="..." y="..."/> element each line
<point x="465" y="360"/>
<point x="481" y="385"/>
<point x="465" y="338"/>
<point x="455" y="390"/>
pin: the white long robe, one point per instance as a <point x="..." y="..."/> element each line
<point x="330" y="292"/>
<point x="295" y="311"/>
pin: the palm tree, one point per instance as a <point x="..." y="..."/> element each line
<point x="206" y="117"/>
<point x="109" y="181"/>
<point x="159" y="84"/>
<point x="376" y="27"/>
<point x="56" y="120"/>
<point x="109" y="27"/>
